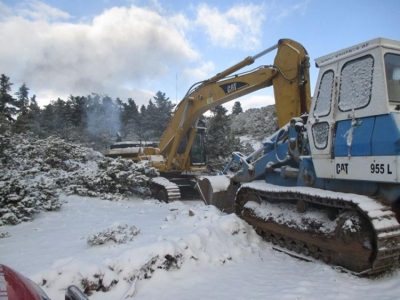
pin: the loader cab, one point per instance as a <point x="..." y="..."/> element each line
<point x="354" y="119"/>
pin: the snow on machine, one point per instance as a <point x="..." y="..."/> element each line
<point x="327" y="184"/>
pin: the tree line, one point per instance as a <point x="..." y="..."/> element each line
<point x="98" y="120"/>
<point x="94" y="119"/>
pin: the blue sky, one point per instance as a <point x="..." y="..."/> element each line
<point x="133" y="48"/>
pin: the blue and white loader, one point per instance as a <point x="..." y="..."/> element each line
<point x="327" y="184"/>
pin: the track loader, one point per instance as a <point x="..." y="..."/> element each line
<point x="326" y="185"/>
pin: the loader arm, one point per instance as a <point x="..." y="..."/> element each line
<point x="289" y="75"/>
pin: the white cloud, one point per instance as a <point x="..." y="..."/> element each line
<point x="286" y="11"/>
<point x="260" y="99"/>
<point x="239" y="27"/>
<point x="201" y="72"/>
<point x="123" y="52"/>
<point x="117" y="53"/>
<point x="37" y="10"/>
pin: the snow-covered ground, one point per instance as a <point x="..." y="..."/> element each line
<point x="186" y="250"/>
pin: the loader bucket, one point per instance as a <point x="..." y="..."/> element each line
<point x="218" y="191"/>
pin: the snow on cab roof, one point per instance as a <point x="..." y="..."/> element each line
<point x="357" y="49"/>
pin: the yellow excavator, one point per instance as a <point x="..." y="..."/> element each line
<point x="289" y="76"/>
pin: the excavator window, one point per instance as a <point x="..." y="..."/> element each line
<point x="392" y="65"/>
<point x="197" y="154"/>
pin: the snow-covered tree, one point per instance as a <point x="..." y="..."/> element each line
<point x="237" y="108"/>
<point x="22" y="102"/>
<point x="7" y="102"/>
<point x="130" y="119"/>
<point x="163" y="112"/>
<point x="220" y="142"/>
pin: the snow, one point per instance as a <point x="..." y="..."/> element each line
<point x="320" y="134"/>
<point x="255" y="143"/>
<point x="218" y="183"/>
<point x="164" y="182"/>
<point x="35" y="171"/>
<point x="286" y="214"/>
<point x="254" y="124"/>
<point x="373" y="207"/>
<point x="356" y="83"/>
<point x="210" y="255"/>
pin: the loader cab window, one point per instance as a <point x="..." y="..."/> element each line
<point x="320" y="133"/>
<point x="324" y="96"/>
<point x="392" y="66"/>
<point x="356" y="83"/>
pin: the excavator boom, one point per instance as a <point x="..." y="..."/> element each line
<point x="289" y="75"/>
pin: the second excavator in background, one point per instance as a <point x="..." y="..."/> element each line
<point x="289" y="76"/>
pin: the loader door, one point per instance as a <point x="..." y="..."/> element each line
<point x="321" y="121"/>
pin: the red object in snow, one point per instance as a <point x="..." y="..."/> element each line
<point x="14" y="286"/>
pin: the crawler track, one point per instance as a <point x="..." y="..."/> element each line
<point x="354" y="232"/>
<point x="165" y="190"/>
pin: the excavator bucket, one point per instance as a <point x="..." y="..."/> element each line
<point x="218" y="191"/>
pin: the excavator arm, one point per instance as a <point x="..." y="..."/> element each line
<point x="289" y="75"/>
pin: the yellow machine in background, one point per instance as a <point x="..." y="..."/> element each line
<point x="289" y="76"/>
<point x="134" y="150"/>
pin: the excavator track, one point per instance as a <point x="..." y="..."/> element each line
<point x="355" y="233"/>
<point x="165" y="190"/>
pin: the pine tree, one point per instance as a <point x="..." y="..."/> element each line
<point x="220" y="142"/>
<point x="142" y="122"/>
<point x="163" y="115"/>
<point x="130" y="119"/>
<point x="62" y="118"/>
<point x="22" y="102"/>
<point x="78" y="106"/>
<point x="34" y="116"/>
<point x="7" y="102"/>
<point x="103" y="120"/>
<point x="237" y="108"/>
<point x="150" y="122"/>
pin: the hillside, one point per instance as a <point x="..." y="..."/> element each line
<point x="254" y="125"/>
